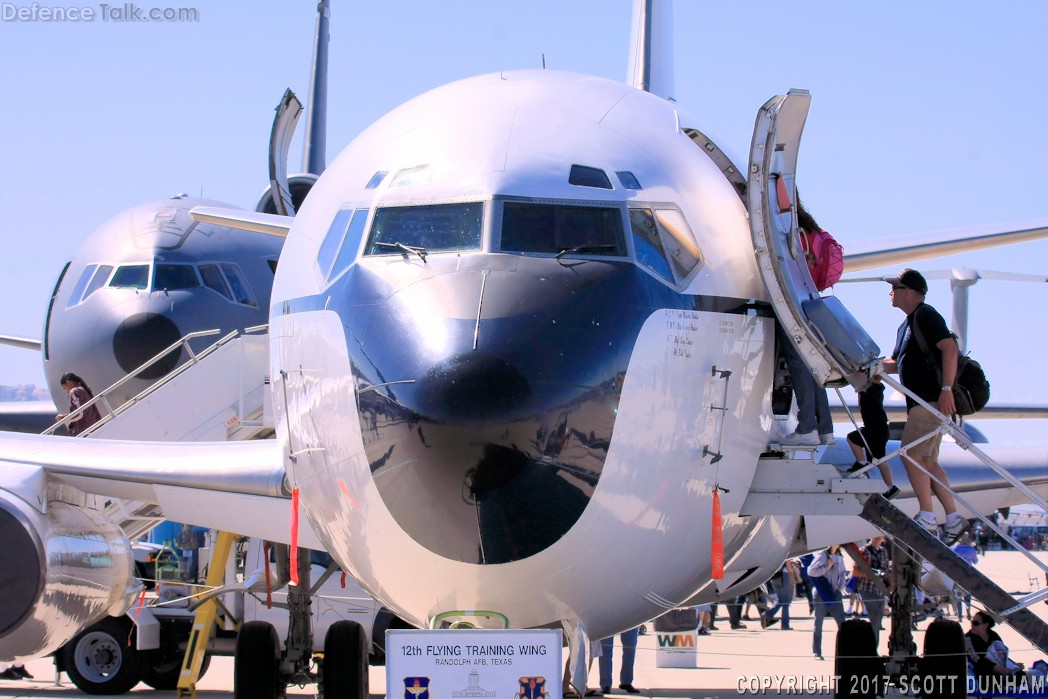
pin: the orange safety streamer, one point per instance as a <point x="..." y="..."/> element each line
<point x="717" y="539"/>
<point x="294" y="537"/>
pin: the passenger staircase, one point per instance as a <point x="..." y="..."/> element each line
<point x="1016" y="613"/>
<point x="220" y="394"/>
<point x="838" y="350"/>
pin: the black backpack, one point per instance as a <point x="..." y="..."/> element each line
<point x="971" y="390"/>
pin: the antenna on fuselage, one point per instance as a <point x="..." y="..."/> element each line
<point x="313" y="152"/>
<point x="651" y="48"/>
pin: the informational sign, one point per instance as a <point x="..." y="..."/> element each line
<point x="473" y="664"/>
<point x="677" y="649"/>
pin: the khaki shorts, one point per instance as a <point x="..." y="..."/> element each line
<point x="919" y="422"/>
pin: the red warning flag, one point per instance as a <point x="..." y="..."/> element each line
<point x="294" y="537"/>
<point x="717" y="539"/>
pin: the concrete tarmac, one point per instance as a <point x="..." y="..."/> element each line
<point x="729" y="663"/>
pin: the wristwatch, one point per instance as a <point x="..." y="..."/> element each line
<point x="947" y="387"/>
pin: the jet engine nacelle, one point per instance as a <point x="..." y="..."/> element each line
<point x="60" y="570"/>
<point x="299" y="186"/>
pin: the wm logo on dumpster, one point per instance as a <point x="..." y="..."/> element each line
<point x="676" y="640"/>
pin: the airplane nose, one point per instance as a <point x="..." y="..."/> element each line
<point x="141" y="337"/>
<point x="488" y="402"/>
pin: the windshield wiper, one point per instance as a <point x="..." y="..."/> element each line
<point x="421" y="252"/>
<point x="581" y="248"/>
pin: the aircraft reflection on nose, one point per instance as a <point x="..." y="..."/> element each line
<point x="506" y="428"/>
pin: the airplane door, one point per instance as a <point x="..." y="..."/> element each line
<point x="834" y="345"/>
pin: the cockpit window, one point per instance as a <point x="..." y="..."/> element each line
<point x="562" y="229"/>
<point x="584" y="176"/>
<point x="238" y="284"/>
<point x="680" y="243"/>
<point x="351" y="243"/>
<point x="99" y="279"/>
<point x="131" y="277"/>
<point x="214" y="280"/>
<point x="170" y="277"/>
<point x="650" y="252"/>
<point x="336" y="233"/>
<point x="419" y="230"/>
<point x="81" y="285"/>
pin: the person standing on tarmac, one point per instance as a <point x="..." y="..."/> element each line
<point x="828" y="574"/>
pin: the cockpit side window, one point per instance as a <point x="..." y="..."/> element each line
<point x="130" y="277"/>
<point x="335" y="235"/>
<point x="170" y="277"/>
<point x="238" y="284"/>
<point x="81" y="285"/>
<point x="98" y="280"/>
<point x="405" y="230"/>
<point x="648" y="244"/>
<point x="351" y="243"/>
<point x="562" y="229"/>
<point x="683" y="251"/>
<point x="214" y="280"/>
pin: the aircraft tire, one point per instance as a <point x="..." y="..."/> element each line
<point x="858" y="667"/>
<point x="99" y="660"/>
<point x="344" y="673"/>
<point x="162" y="670"/>
<point x="943" y="671"/>
<point x="256" y="663"/>
<point x="384" y="622"/>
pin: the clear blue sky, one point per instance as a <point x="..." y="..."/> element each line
<point x="924" y="116"/>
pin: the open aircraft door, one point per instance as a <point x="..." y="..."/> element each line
<point x="834" y="345"/>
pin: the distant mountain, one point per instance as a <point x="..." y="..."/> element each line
<point x="25" y="392"/>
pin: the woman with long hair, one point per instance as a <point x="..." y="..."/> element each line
<point x="79" y="394"/>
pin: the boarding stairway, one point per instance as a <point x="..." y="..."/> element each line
<point x="1016" y="613"/>
<point x="837" y="350"/>
<point x="220" y="393"/>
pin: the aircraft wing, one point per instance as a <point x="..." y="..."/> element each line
<point x="883" y="252"/>
<point x="32" y="416"/>
<point x="23" y="342"/>
<point x="232" y="486"/>
<point x="270" y="224"/>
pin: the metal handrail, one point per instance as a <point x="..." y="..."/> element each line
<point x="183" y="343"/>
<point x="948" y="426"/>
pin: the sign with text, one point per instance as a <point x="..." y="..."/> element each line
<point x="473" y="664"/>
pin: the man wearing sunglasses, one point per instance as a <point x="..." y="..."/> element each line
<point x="919" y="372"/>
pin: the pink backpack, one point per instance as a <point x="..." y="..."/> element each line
<point x="825" y="258"/>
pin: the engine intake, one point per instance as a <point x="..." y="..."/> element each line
<point x="60" y="571"/>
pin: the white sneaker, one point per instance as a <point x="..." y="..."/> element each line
<point x="800" y="439"/>
<point x="930" y="525"/>
<point x="827" y="439"/>
<point x="955" y="526"/>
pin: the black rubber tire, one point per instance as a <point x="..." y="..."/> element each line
<point x="100" y="660"/>
<point x="858" y="667"/>
<point x="344" y="672"/>
<point x="943" y="671"/>
<point x="256" y="663"/>
<point x="161" y="671"/>
<point x="377" y="656"/>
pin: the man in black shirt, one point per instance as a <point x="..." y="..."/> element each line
<point x="917" y="372"/>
